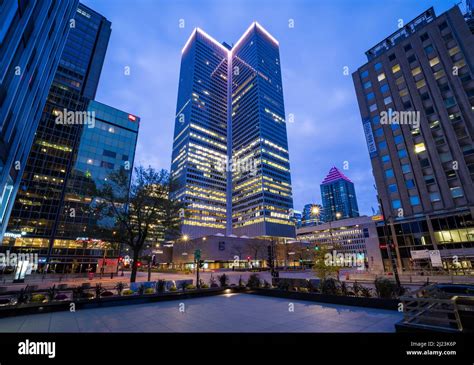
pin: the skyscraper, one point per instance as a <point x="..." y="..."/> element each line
<point x="230" y="152"/>
<point x="32" y="37"/>
<point x="416" y="99"/>
<point x="51" y="210"/>
<point x="338" y="196"/>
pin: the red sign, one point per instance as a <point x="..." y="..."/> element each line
<point x="132" y="118"/>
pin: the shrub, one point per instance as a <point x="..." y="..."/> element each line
<point x="284" y="285"/>
<point x="267" y="285"/>
<point x="303" y="290"/>
<point x="385" y="288"/>
<point x="98" y="290"/>
<point x="88" y="296"/>
<point x="241" y="282"/>
<point x="254" y="281"/>
<point x="344" y="288"/>
<point x="149" y="291"/>
<point x="330" y="286"/>
<point x="223" y="280"/>
<point x="204" y="286"/>
<point x="141" y="289"/>
<point x="52" y="291"/>
<point x="127" y="292"/>
<point x="190" y="287"/>
<point x="173" y="288"/>
<point x="107" y="293"/>
<point x="160" y="286"/>
<point x="38" y="298"/>
<point x="119" y="287"/>
<point x="60" y="297"/>
<point x="213" y="282"/>
<point x="78" y="292"/>
<point x="23" y="296"/>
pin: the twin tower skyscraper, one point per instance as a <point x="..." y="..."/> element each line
<point x="230" y="160"/>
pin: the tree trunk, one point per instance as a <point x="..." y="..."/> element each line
<point x="133" y="275"/>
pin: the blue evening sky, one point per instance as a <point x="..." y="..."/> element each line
<point x="327" y="36"/>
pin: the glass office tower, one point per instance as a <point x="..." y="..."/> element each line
<point x="338" y="196"/>
<point x="230" y="153"/>
<point x="422" y="154"/>
<point x="32" y="37"/>
<point x="51" y="184"/>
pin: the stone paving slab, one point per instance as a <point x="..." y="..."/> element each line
<point x="224" y="313"/>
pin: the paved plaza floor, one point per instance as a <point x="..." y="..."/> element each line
<point x="224" y="313"/>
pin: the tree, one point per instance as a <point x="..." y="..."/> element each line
<point x="139" y="207"/>
<point x="325" y="265"/>
<point x="256" y="248"/>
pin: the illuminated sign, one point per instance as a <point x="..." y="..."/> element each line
<point x="378" y="217"/>
<point x="132" y="118"/>
<point x="14" y="235"/>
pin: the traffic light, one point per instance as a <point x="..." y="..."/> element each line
<point x="316" y="248"/>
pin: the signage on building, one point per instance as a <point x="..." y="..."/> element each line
<point x="435" y="257"/>
<point x="369" y="137"/>
<point x="107" y="266"/>
<point x="420" y="254"/>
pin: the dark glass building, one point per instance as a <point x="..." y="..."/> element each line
<point x="338" y="196"/>
<point x="313" y="214"/>
<point x="51" y="210"/>
<point x="416" y="99"/>
<point x="230" y="152"/>
<point x="32" y="37"/>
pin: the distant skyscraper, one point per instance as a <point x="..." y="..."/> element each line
<point x="338" y="196"/>
<point x="52" y="204"/>
<point x="230" y="152"/>
<point x="32" y="37"/>
<point x="313" y="214"/>
<point x="423" y="164"/>
<point x="296" y="217"/>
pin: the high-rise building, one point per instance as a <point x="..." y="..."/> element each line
<point x="338" y="196"/>
<point x="313" y="214"/>
<point x="296" y="217"/>
<point x="230" y="152"/>
<point x="416" y="99"/>
<point x="32" y="37"/>
<point x="51" y="213"/>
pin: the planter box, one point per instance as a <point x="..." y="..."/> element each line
<point x="36" y="308"/>
<point x="379" y="303"/>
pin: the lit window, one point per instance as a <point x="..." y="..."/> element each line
<point x="453" y="51"/>
<point x="410" y="184"/>
<point x="420" y="147"/>
<point x="398" y="139"/>
<point x="387" y="100"/>
<point x="416" y="71"/>
<point x="389" y="173"/>
<point x="364" y="74"/>
<point x="406" y="168"/>
<point x="396" y="204"/>
<point x="402" y="153"/>
<point x="435" y="197"/>
<point x="373" y="107"/>
<point x="434" y="61"/>
<point x="420" y="84"/>
<point x="381" y="76"/>
<point x="378" y="66"/>
<point x="392" y="188"/>
<point x="385" y="158"/>
<point x="396" y="68"/>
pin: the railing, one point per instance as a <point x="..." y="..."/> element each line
<point x="431" y="313"/>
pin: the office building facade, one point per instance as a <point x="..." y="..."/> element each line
<point x="416" y="98"/>
<point x="338" y="196"/>
<point x="353" y="236"/>
<point x="32" y="37"/>
<point x="78" y="142"/>
<point x="230" y="152"/>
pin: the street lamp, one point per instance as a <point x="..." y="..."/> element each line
<point x="338" y="215"/>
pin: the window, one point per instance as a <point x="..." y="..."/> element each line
<point x="445" y="157"/>
<point x="420" y="84"/>
<point x="429" y="49"/>
<point x="109" y="153"/>
<point x="424" y="37"/>
<point x="424" y="162"/>
<point x="429" y="179"/>
<point x="373" y="107"/>
<point x="410" y="184"/>
<point x="468" y="150"/>
<point x="416" y="71"/>
<point x="389" y="173"/>
<point x="398" y="139"/>
<point x="412" y="58"/>
<point x="370" y="96"/>
<point x="457" y="192"/>
<point x="392" y="188"/>
<point x="396" y="68"/>
<point x="391" y="57"/>
<point x="378" y="66"/>
<point x="420" y="147"/>
<point x="383" y="145"/>
<point x="414" y="200"/>
<point x="453" y="51"/>
<point x="367" y="85"/>
<point x="443" y="25"/>
<point x="378" y="132"/>
<point x="396" y="204"/>
<point x="450" y="174"/>
<point x="384" y="88"/>
<point x="406" y="168"/>
<point x="385" y="158"/>
<point x="435" y="197"/>
<point x="407" y="47"/>
<point x="434" y="61"/>
<point x="381" y="77"/>
<point x="387" y="100"/>
<point x="402" y="153"/>
<point x="364" y="74"/>
<point x="376" y="120"/>
<point x="449" y="102"/>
